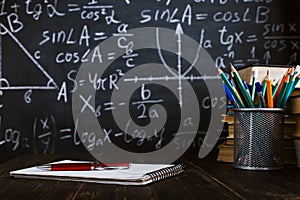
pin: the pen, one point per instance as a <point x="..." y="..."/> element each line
<point x="83" y="166"/>
<point x="260" y="95"/>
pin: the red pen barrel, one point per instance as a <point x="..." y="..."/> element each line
<point x="72" y="167"/>
<point x="83" y="166"/>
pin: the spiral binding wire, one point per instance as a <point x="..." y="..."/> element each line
<point x="166" y="172"/>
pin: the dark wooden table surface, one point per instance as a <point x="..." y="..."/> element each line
<point x="203" y="179"/>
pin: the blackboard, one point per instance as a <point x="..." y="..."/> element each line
<point x="139" y="50"/>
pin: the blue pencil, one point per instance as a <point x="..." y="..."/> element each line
<point x="230" y="96"/>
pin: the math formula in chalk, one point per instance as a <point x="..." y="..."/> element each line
<point x="44" y="45"/>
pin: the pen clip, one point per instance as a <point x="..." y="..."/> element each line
<point x="114" y="166"/>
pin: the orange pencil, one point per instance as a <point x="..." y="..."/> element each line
<point x="269" y="90"/>
<point x="282" y="92"/>
<point x="281" y="84"/>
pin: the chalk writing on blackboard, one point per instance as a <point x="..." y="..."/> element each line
<point x="174" y="76"/>
<point x="5" y="84"/>
<point x="44" y="43"/>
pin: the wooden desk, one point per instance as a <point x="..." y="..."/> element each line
<point x="204" y="179"/>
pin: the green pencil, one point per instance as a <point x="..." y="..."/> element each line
<point x="264" y="87"/>
<point x="275" y="89"/>
<point x="231" y="89"/>
<point x="255" y="72"/>
<point x="291" y="86"/>
<point x="282" y="92"/>
<point x="241" y="86"/>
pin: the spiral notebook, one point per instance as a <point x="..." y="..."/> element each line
<point x="137" y="174"/>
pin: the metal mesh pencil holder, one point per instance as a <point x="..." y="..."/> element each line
<point x="258" y="138"/>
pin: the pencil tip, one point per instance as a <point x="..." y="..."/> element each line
<point x="232" y="67"/>
<point x="219" y="71"/>
<point x="292" y="71"/>
<point x="268" y="74"/>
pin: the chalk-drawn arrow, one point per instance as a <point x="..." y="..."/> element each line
<point x="267" y="57"/>
<point x="293" y="58"/>
<point x="160" y="53"/>
<point x="178" y="33"/>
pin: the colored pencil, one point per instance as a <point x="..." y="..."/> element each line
<point x="290" y="89"/>
<point x="241" y="86"/>
<point x="275" y="89"/>
<point x="231" y="89"/>
<point x="230" y="96"/>
<point x="269" y="90"/>
<point x="282" y="92"/>
<point x="280" y="85"/>
<point x="255" y="73"/>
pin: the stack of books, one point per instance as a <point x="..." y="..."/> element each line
<point x="294" y="109"/>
